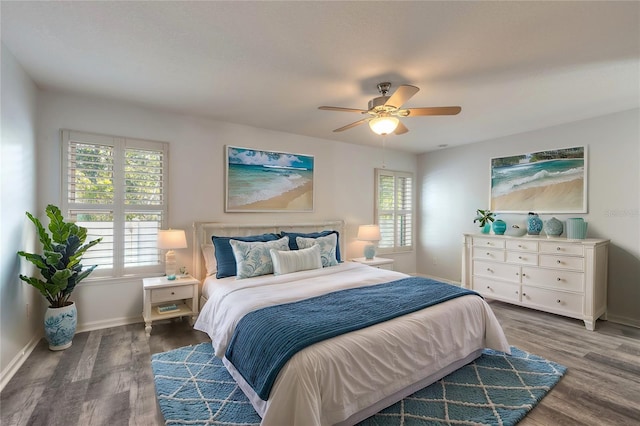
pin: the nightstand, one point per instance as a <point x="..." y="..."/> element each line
<point x="376" y="262"/>
<point x="159" y="291"/>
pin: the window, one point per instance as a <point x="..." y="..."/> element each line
<point x="117" y="189"/>
<point x="394" y="210"/>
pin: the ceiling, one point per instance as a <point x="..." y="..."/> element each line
<point x="512" y="66"/>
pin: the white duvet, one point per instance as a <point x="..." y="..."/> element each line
<point x="331" y="381"/>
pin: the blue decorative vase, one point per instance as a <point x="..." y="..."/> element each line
<point x="486" y="228"/>
<point x="60" y="326"/>
<point x="499" y="226"/>
<point x="553" y="227"/>
<point x="534" y="224"/>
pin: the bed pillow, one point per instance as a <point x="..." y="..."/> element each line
<point x="209" y="255"/>
<point x="253" y="258"/>
<point x="224" y="254"/>
<point x="286" y="262"/>
<point x="327" y="247"/>
<point x="293" y="245"/>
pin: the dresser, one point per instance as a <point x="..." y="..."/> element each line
<point x="564" y="277"/>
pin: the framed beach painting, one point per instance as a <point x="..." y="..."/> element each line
<point x="553" y="181"/>
<point x="268" y="181"/>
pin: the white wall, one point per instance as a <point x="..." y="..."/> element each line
<point x="18" y="330"/>
<point x="344" y="181"/>
<point x="453" y="183"/>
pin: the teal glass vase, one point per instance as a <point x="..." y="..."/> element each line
<point x="499" y="227"/>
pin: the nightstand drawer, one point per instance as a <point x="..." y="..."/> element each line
<point x="171" y="294"/>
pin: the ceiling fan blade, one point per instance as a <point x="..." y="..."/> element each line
<point x="354" y="124"/>
<point x="401" y="129"/>
<point x="449" y="110"/>
<point x="401" y="95"/>
<point x="330" y="108"/>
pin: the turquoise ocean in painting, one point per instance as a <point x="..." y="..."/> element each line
<point x="261" y="175"/>
<point x="505" y="180"/>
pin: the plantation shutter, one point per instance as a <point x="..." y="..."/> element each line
<point x="116" y="188"/>
<point x="394" y="210"/>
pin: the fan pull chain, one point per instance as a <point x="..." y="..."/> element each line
<point x="384" y="144"/>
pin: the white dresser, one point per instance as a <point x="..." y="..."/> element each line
<point x="565" y="277"/>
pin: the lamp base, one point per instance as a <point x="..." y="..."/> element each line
<point x="170" y="264"/>
<point x="369" y="251"/>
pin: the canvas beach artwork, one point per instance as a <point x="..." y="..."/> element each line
<point x="268" y="181"/>
<point x="552" y="181"/>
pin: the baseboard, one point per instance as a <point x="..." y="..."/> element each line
<point x="114" y="322"/>
<point x="18" y="360"/>
<point x="632" y="322"/>
<point x="456" y="283"/>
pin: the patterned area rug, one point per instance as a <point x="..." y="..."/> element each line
<point x="193" y="387"/>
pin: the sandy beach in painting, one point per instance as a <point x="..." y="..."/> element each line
<point x="300" y="198"/>
<point x="556" y="197"/>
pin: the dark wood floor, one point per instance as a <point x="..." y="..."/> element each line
<point x="105" y="377"/>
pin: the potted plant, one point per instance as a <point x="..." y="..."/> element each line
<point x="60" y="271"/>
<point x="485" y="217"/>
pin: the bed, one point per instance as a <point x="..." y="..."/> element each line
<point x="349" y="377"/>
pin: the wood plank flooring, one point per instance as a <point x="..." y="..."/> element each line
<point x="105" y="377"/>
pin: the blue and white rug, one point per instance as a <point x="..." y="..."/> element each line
<point x="193" y="387"/>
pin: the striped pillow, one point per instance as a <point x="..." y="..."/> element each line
<point x="286" y="262"/>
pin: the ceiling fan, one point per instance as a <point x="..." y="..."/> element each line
<point x="384" y="110"/>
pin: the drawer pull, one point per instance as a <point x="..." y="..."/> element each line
<point x="558" y="262"/>
<point x="524" y="275"/>
<point x="558" y="301"/>
<point x="488" y="254"/>
<point x="173" y="293"/>
<point x="488" y="287"/>
<point x="559" y="279"/>
<point x="558" y="248"/>
<point x="488" y="243"/>
<point x="516" y="291"/>
<point x="489" y="270"/>
<point x="524" y="294"/>
<point x="520" y="257"/>
<point x="519" y="245"/>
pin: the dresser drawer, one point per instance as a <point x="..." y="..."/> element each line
<point x="561" y="248"/>
<point x="488" y="242"/>
<point x="171" y="294"/>
<point x="557" y="279"/>
<point x="500" y="271"/>
<point x="488" y="254"/>
<point x="553" y="301"/>
<point x="522" y="258"/>
<point x="522" y="245"/>
<point x="496" y="290"/>
<point x="562" y="262"/>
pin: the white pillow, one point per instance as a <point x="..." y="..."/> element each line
<point x="327" y="247"/>
<point x="253" y="258"/>
<point x="209" y="255"/>
<point x="286" y="262"/>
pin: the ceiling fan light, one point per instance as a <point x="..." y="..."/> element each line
<point x="383" y="125"/>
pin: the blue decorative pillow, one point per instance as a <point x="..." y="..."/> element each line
<point x="225" y="260"/>
<point x="254" y="259"/>
<point x="327" y="245"/>
<point x="293" y="245"/>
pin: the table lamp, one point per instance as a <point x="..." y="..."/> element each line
<point x="170" y="239"/>
<point x="369" y="233"/>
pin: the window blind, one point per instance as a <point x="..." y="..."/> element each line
<point x="116" y="188"/>
<point x="394" y="210"/>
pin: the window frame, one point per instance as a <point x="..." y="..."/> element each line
<point x="396" y="212"/>
<point x="118" y="208"/>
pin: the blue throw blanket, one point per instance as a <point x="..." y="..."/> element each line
<point x="264" y="340"/>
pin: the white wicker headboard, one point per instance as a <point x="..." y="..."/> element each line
<point x="202" y="232"/>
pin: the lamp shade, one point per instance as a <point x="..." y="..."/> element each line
<point x="369" y="233"/>
<point x="383" y="125"/>
<point x="170" y="239"/>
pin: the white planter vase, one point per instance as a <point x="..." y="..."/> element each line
<point x="60" y="326"/>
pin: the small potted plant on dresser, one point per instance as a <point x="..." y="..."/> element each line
<point x="485" y="217"/>
<point x="61" y="271"/>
